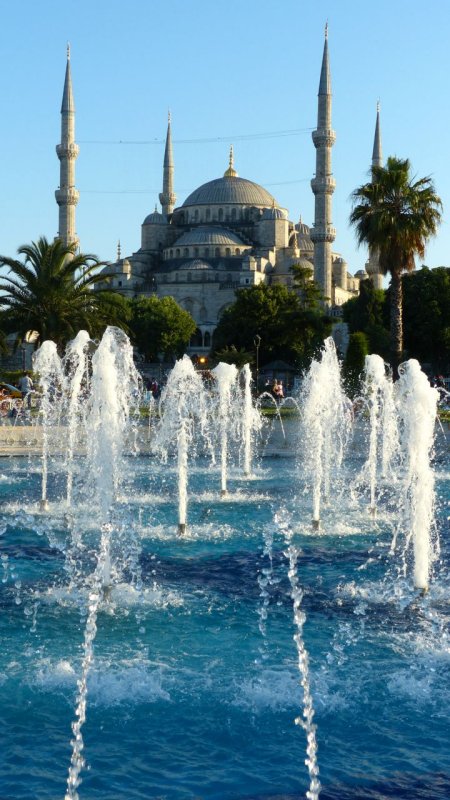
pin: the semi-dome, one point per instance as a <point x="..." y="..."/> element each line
<point x="230" y="190"/>
<point x="197" y="263"/>
<point x="208" y="235"/>
<point x="274" y="213"/>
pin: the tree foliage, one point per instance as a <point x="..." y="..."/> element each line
<point x="287" y="330"/>
<point x="309" y="291"/>
<point x="426" y="317"/>
<point x="395" y="215"/>
<point x="426" y="301"/>
<point x="231" y="355"/>
<point x="50" y="292"/>
<point x="159" y="326"/>
<point x="358" y="349"/>
<point x="368" y="313"/>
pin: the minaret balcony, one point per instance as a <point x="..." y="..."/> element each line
<point x="324" y="137"/>
<point x="69" y="150"/>
<point x="323" y="185"/>
<point x="323" y="233"/>
<point x="68" y="196"/>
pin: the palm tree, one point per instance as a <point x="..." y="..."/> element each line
<point x="50" y="292"/>
<point x="395" y="215"/>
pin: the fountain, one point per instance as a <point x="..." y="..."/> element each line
<point x="378" y="398"/>
<point x="251" y="420"/>
<point x="47" y="363"/>
<point x="76" y="367"/>
<point x="195" y="683"/>
<point x="325" y="426"/>
<point x="226" y="377"/>
<point x="184" y="406"/>
<point x="418" y="405"/>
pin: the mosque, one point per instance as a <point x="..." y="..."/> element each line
<point x="227" y="234"/>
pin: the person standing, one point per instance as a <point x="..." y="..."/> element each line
<point x="26" y="387"/>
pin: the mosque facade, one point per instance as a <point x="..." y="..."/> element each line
<point x="229" y="233"/>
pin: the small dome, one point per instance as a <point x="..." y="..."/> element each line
<point x="155" y="218"/>
<point x="208" y="235"/>
<point x="361" y="274"/>
<point x="303" y="262"/>
<point x="197" y="263"/>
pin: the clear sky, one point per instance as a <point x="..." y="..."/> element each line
<point x="241" y="72"/>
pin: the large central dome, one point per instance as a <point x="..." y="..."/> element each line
<point x="229" y="190"/>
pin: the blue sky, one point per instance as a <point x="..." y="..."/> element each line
<point x="226" y="71"/>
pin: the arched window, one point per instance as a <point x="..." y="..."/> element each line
<point x="177" y="252"/>
<point x="206" y="252"/>
<point x="171" y="253"/>
<point x="217" y="252"/>
<point x="208" y="214"/>
<point x="196" y="215"/>
<point x="186" y="251"/>
<point x="220" y="214"/>
<point x="207" y="339"/>
<point x="237" y="251"/>
<point x="197" y="339"/>
<point x="227" y="251"/>
<point x="233" y="213"/>
<point x="195" y="251"/>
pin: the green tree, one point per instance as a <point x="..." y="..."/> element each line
<point x="395" y="215"/>
<point x="50" y="292"/>
<point x="160" y="325"/>
<point x="426" y="301"/>
<point x="275" y="313"/>
<point x="358" y="348"/>
<point x="308" y="289"/>
<point x="230" y="355"/>
<point x="367" y="313"/>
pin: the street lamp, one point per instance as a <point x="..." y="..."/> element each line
<point x="257" y="342"/>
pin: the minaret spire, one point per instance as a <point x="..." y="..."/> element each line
<point x="377" y="155"/>
<point x="372" y="264"/>
<point x="67" y="151"/>
<point x="323" y="184"/>
<point x="167" y="198"/>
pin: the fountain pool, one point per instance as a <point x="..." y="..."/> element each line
<point x="195" y="686"/>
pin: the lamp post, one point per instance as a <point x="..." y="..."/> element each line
<point x="257" y="342"/>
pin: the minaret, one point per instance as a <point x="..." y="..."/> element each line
<point x="323" y="184"/>
<point x="168" y="197"/>
<point x="377" y="155"/>
<point x="372" y="265"/>
<point x="67" y="196"/>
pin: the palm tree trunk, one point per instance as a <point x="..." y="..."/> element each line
<point x="396" y="321"/>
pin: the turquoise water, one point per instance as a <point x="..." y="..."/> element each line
<point x="193" y="693"/>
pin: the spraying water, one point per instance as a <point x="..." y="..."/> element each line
<point x="184" y="404"/>
<point x="251" y="419"/>
<point x="417" y="410"/>
<point x="325" y="425"/>
<point x="47" y="363"/>
<point x="378" y="393"/>
<point x="306" y="721"/>
<point x="115" y="384"/>
<point x="76" y="366"/>
<point x="225" y="375"/>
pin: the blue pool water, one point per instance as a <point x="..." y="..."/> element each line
<point x="193" y="693"/>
